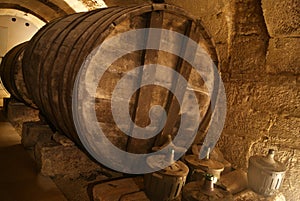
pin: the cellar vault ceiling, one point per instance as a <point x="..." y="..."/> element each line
<point x="48" y="10"/>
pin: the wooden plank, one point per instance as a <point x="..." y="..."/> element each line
<point x="144" y="97"/>
<point x="204" y="125"/>
<point x="173" y="108"/>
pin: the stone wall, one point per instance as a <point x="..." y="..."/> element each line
<point x="258" y="42"/>
<point x="259" y="46"/>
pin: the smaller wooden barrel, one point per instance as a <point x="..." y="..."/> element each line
<point x="166" y="184"/>
<point x="11" y="73"/>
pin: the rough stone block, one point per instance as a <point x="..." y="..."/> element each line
<point x="278" y="99"/>
<point x="238" y="94"/>
<point x="19" y="112"/>
<point x="139" y="196"/>
<point x="55" y="159"/>
<point x="247" y="123"/>
<point x="283" y="56"/>
<point x="249" y="195"/>
<point x="248" y="18"/>
<point x="63" y="140"/>
<point x="235" y="149"/>
<point x="286" y="130"/>
<point x="282" y="17"/>
<point x="248" y="55"/>
<point x="115" y="190"/>
<point x="34" y="132"/>
<point x="235" y="181"/>
<point x="244" y="98"/>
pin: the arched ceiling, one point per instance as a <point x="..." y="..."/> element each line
<point x="48" y="10"/>
<point x="45" y="10"/>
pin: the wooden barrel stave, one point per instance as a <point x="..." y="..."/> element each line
<point x="55" y="81"/>
<point x="83" y="47"/>
<point x="60" y="110"/>
<point x="80" y="48"/>
<point x="34" y="58"/>
<point x="52" y="55"/>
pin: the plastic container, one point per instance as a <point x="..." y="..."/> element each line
<point x="166" y="184"/>
<point x="265" y="174"/>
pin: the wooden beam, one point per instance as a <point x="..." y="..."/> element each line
<point x="144" y="96"/>
<point x="173" y="108"/>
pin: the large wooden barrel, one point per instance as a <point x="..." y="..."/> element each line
<point x="56" y="53"/>
<point x="11" y="73"/>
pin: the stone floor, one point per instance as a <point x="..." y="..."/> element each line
<point x="19" y="178"/>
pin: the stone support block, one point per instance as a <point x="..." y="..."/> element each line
<point x="63" y="140"/>
<point x="34" y="132"/>
<point x="138" y="196"/>
<point x="249" y="195"/>
<point x="56" y="159"/>
<point x="115" y="190"/>
<point x="19" y="112"/>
